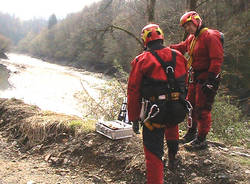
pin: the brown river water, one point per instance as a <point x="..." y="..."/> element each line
<point x="49" y="86"/>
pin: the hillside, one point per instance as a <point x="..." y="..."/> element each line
<point x="45" y="147"/>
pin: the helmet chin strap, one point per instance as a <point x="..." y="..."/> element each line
<point x="199" y="28"/>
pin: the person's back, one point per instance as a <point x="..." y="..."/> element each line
<point x="147" y="71"/>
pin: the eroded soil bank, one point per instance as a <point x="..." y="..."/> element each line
<point x="41" y="147"/>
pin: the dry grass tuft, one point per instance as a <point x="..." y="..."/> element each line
<point x="32" y="126"/>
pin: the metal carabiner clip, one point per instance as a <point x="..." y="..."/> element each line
<point x="189" y="119"/>
<point x="170" y="68"/>
<point x="151" y="111"/>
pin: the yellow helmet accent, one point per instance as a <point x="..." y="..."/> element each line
<point x="151" y="32"/>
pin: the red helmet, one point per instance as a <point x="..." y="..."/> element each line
<point x="191" y="16"/>
<point x="151" y="32"/>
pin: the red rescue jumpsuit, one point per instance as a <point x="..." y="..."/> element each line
<point x="147" y="65"/>
<point x="207" y="57"/>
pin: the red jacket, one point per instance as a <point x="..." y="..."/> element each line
<point x="146" y="64"/>
<point x="208" y="51"/>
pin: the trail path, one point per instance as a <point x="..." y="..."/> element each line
<point x="21" y="168"/>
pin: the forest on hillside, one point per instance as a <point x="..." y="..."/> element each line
<point x="106" y="35"/>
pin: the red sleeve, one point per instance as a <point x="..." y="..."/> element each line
<point x="182" y="46"/>
<point x="181" y="64"/>
<point x="134" y="96"/>
<point x="216" y="52"/>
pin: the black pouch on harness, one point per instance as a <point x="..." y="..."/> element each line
<point x="171" y="112"/>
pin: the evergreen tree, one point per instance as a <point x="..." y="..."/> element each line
<point x="52" y="21"/>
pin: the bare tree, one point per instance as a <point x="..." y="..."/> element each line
<point x="151" y="10"/>
<point x="191" y="4"/>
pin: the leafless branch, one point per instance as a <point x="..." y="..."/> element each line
<point x="128" y="32"/>
<point x="201" y="3"/>
<point x="95" y="102"/>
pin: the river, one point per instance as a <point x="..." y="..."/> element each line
<point x="49" y="86"/>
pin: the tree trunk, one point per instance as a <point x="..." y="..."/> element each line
<point x="151" y="10"/>
<point x="191" y="4"/>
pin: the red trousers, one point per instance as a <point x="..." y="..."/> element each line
<point x="153" y="142"/>
<point x="202" y="105"/>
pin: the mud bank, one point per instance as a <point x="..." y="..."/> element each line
<point x="97" y="159"/>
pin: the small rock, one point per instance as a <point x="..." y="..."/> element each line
<point x="65" y="161"/>
<point x="207" y="162"/>
<point x="47" y="157"/>
<point x="222" y="176"/>
<point x="89" y="143"/>
<point x="23" y="157"/>
<point x="193" y="175"/>
<point x="197" y="179"/>
<point x="224" y="149"/>
<point x="96" y="178"/>
<point x="14" y="143"/>
<point x="36" y="149"/>
<point x="30" y="182"/>
<point x="247" y="171"/>
<point x="56" y="160"/>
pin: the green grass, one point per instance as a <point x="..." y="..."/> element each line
<point x="74" y="124"/>
<point x="86" y="125"/>
<point x="229" y="123"/>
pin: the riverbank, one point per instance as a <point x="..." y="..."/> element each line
<point x="3" y="56"/>
<point x="61" y="142"/>
<point x="4" y="75"/>
<point x="49" y="86"/>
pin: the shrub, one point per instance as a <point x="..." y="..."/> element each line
<point x="229" y="124"/>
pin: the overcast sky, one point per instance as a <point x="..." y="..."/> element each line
<point x="29" y="9"/>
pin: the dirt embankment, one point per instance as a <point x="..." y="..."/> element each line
<point x="44" y="148"/>
<point x="3" y="55"/>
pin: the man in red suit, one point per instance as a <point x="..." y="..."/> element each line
<point x="205" y="50"/>
<point x="146" y="67"/>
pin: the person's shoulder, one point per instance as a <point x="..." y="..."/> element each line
<point x="212" y="33"/>
<point x="178" y="53"/>
<point x="139" y="57"/>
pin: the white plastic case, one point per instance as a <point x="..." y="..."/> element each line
<point x="114" y="129"/>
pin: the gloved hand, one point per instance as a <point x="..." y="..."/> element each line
<point x="210" y="85"/>
<point x="135" y="126"/>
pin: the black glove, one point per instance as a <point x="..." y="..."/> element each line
<point x="210" y="85"/>
<point x="135" y="126"/>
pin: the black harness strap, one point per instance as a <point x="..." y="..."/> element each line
<point x="169" y="69"/>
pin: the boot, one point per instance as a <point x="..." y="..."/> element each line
<point x="189" y="136"/>
<point x="172" y="161"/>
<point x="172" y="151"/>
<point x="198" y="143"/>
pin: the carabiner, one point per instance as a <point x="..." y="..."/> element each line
<point x="151" y="110"/>
<point x="190" y="109"/>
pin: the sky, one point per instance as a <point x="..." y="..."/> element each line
<point x="29" y="9"/>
